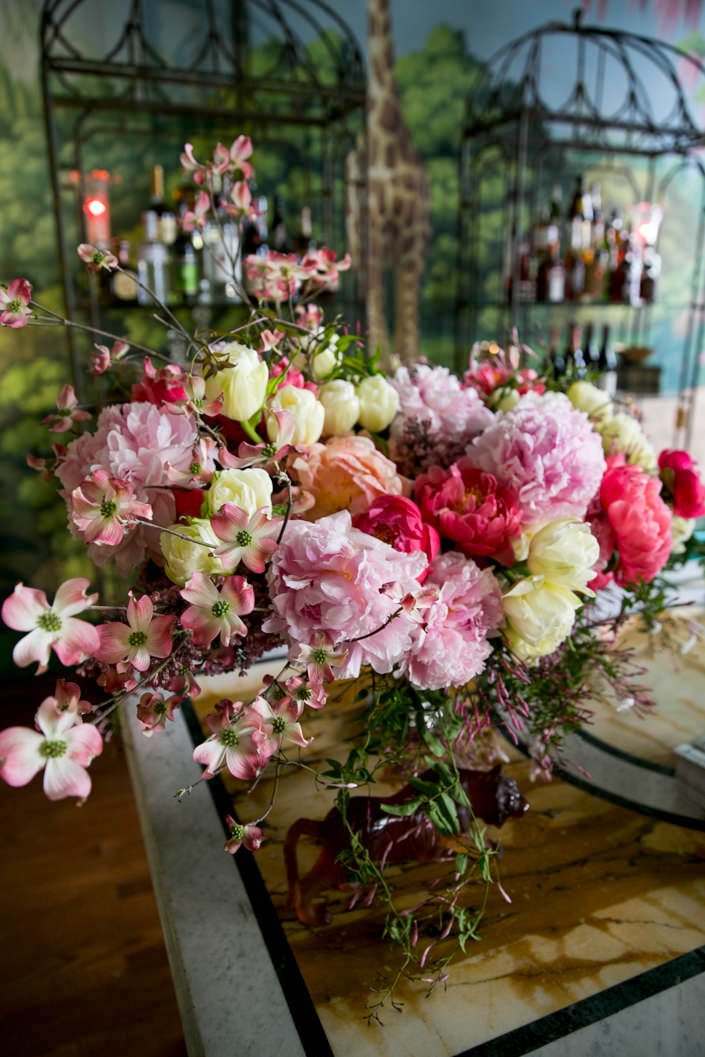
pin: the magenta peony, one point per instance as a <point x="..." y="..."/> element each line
<point x="398" y="521"/>
<point x="679" y="473"/>
<point x="460" y="607"/>
<point x="547" y="452"/>
<point x="346" y="473"/>
<point x="640" y="519"/>
<point x="330" y="578"/>
<point x="469" y="506"/>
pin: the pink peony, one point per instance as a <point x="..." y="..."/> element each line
<point x="433" y="405"/>
<point x="471" y="508"/>
<point x="546" y="451"/>
<point x="640" y="519"/>
<point x="160" y="386"/>
<point x="346" y="473"/>
<point x="461" y="605"/>
<point x="330" y="578"/>
<point x="487" y="377"/>
<point x="398" y="521"/>
<point x="679" y="473"/>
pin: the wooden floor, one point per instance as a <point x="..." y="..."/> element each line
<point x="83" y="968"/>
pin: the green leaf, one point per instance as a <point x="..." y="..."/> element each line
<point x="402" y="809"/>
<point x="461" y="862"/>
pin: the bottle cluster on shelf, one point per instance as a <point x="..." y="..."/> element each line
<point x="582" y="353"/>
<point x="203" y="266"/>
<point x="581" y="255"/>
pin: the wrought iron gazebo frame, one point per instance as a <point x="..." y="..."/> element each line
<point x="509" y="119"/>
<point x="217" y="89"/>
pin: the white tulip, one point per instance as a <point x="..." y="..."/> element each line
<point x="379" y="403"/>
<point x="342" y="406"/>
<point x="308" y="414"/>
<point x="243" y="384"/>
<point x="250" y="489"/>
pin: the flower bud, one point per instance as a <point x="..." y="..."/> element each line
<point x="681" y="531"/>
<point x="622" y="433"/>
<point x="250" y="489"/>
<point x="379" y="403"/>
<point x="308" y="414"/>
<point x="341" y="405"/>
<point x="243" y="384"/>
<point x="325" y="361"/>
<point x="564" y="552"/>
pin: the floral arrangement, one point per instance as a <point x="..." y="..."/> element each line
<point x="445" y="537"/>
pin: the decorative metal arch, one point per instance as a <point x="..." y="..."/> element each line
<point x="194" y="69"/>
<point x="523" y="126"/>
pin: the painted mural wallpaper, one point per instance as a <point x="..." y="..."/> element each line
<point x="439" y="51"/>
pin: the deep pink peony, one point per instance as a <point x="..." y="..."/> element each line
<point x="346" y="473"/>
<point x="398" y="521"/>
<point x="331" y="578"/>
<point x="469" y="506"/>
<point x="160" y="386"/>
<point x="293" y="377"/>
<point x="547" y="451"/>
<point x="640" y="519"/>
<point x="460" y="607"/>
<point x="487" y="377"/>
<point x="679" y="473"/>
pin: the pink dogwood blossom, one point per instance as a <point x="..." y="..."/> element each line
<point x="249" y="836"/>
<point x="280" y="723"/>
<point x="97" y="259"/>
<point x="51" y="626"/>
<point x="245" y="539"/>
<point x="102" y="508"/>
<point x="266" y="455"/>
<point x="236" y="742"/>
<point x="135" y="643"/>
<point x="214" y="612"/>
<point x="153" y="711"/>
<point x="320" y="658"/>
<point x="107" y="357"/>
<point x="68" y="412"/>
<point x="14" y="304"/>
<point x="198" y="216"/>
<point x="63" y="745"/>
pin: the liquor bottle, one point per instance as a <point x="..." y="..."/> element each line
<point x="304" y="241"/>
<point x="650" y="274"/>
<point x="166" y="218"/>
<point x="123" y="284"/>
<point x="555" y="364"/>
<point x="574" y="358"/>
<point x="591" y="350"/>
<point x="550" y="278"/>
<point x="279" y="237"/>
<point x="222" y="261"/>
<point x="607" y="364"/>
<point x="185" y="274"/>
<point x="152" y="262"/>
<point x="634" y="269"/>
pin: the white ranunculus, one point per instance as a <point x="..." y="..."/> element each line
<point x="539" y="617"/>
<point x="308" y="414"/>
<point x="379" y="403"/>
<point x="243" y="384"/>
<point x="622" y="433"/>
<point x="593" y="401"/>
<point x="184" y="558"/>
<point x="564" y="552"/>
<point x="249" y="489"/>
<point x="341" y="405"/>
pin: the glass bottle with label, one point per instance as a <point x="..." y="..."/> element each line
<point x="607" y="364"/>
<point x="123" y="283"/>
<point x="222" y="262"/>
<point x="152" y="262"/>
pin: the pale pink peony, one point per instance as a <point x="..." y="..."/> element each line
<point x="639" y="518"/>
<point x="460" y="607"/>
<point x="547" y="452"/>
<point x="62" y="744"/>
<point x="433" y="400"/>
<point x="135" y="442"/>
<point x="329" y="578"/>
<point x="346" y="473"/>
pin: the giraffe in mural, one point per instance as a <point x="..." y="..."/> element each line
<point x="396" y="211"/>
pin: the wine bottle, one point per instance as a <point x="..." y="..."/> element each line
<point x="166" y="218"/>
<point x="574" y="358"/>
<point x="591" y="350"/>
<point x="222" y="261"/>
<point x="304" y="240"/>
<point x="279" y="237"/>
<point x="152" y="262"/>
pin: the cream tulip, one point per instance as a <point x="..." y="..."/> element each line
<point x="308" y="414"/>
<point x="341" y="405"/>
<point x="183" y="557"/>
<point x="564" y="552"/>
<point x="250" y="489"/>
<point x="243" y="384"/>
<point x="379" y="403"/>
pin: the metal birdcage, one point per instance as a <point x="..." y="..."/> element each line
<point x="288" y="72"/>
<point x="570" y="98"/>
